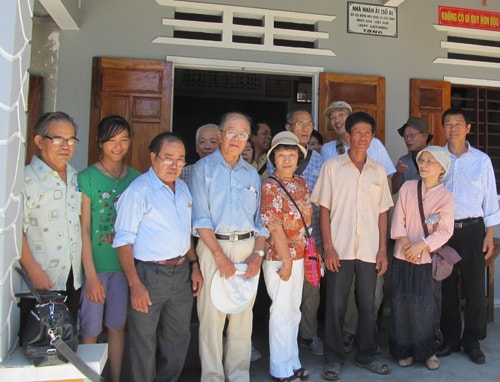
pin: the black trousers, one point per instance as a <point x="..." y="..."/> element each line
<point x="338" y="285"/>
<point x="468" y="242"/>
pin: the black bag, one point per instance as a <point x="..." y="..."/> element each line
<point x="50" y="336"/>
<point x="46" y="322"/>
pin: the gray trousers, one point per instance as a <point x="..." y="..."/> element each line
<point x="158" y="340"/>
<point x="338" y="285"/>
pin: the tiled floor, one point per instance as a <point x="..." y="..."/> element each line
<point x="456" y="367"/>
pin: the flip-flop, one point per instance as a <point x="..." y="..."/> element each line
<point x="375" y="367"/>
<point x="331" y="372"/>
<point x="302" y="373"/>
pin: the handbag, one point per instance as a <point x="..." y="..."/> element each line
<point x="443" y="258"/>
<point x="50" y="336"/>
<point x="313" y="264"/>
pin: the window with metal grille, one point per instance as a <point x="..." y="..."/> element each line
<point x="482" y="104"/>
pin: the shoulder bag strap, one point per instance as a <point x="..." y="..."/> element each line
<point x="294" y="203"/>
<point x="302" y="166"/>
<point x="421" y="207"/>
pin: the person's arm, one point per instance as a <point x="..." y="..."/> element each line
<point x="225" y="266"/>
<point x="139" y="295"/>
<point x="488" y="243"/>
<point x="281" y="244"/>
<point x="94" y="288"/>
<point x="254" y="261"/>
<point x="381" y="260"/>
<point x="331" y="257"/>
<point x="39" y="279"/>
<point x="196" y="277"/>
<point x="401" y="167"/>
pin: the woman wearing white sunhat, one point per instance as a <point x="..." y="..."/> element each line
<point x="416" y="296"/>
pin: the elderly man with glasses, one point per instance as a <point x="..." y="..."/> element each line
<point x="154" y="245"/>
<point x="226" y="201"/>
<point x="415" y="133"/>
<point x="52" y="242"/>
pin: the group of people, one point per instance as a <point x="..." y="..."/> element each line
<point x="133" y="250"/>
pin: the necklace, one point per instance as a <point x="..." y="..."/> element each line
<point x="115" y="177"/>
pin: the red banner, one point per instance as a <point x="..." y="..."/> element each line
<point x="469" y="18"/>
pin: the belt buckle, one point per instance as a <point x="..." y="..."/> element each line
<point x="459" y="225"/>
<point x="233" y="237"/>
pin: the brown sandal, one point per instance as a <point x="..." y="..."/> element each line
<point x="302" y="373"/>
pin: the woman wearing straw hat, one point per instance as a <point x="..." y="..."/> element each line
<point x="283" y="265"/>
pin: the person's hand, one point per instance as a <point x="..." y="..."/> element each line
<point x="94" y="290"/>
<point x="488" y="246"/>
<point x="331" y="258"/>
<point x="40" y="279"/>
<point x="254" y="262"/>
<point x="381" y="262"/>
<point x="402" y="167"/>
<point x="196" y="280"/>
<point x="225" y="266"/>
<point x="286" y="270"/>
<point x="413" y="252"/>
<point x="139" y="298"/>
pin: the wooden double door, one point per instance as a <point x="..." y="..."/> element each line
<point x="141" y="92"/>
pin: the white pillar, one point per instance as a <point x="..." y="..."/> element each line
<point x="15" y="33"/>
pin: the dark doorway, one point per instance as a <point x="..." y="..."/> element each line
<point x="202" y="97"/>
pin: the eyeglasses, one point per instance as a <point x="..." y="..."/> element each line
<point x="426" y="162"/>
<point x="58" y="141"/>
<point x="170" y="162"/>
<point x="303" y="125"/>
<point x="234" y="134"/>
<point x="411" y="136"/>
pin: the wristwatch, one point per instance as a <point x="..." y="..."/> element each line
<point x="259" y="252"/>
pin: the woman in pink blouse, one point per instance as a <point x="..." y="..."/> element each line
<point x="416" y="296"/>
<point x="283" y="265"/>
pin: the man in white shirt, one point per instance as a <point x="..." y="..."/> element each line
<point x="472" y="180"/>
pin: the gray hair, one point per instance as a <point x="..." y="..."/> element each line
<point x="42" y="124"/>
<point x="204" y="127"/>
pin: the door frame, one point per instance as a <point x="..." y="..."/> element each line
<point x="180" y="62"/>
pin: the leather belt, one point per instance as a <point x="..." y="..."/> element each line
<point x="459" y="224"/>
<point x="170" y="262"/>
<point x="235" y="236"/>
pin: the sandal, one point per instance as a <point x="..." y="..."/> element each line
<point x="375" y="367"/>
<point x="432" y="363"/>
<point x="405" y="362"/>
<point x="302" y="373"/>
<point x="292" y="378"/>
<point x="331" y="372"/>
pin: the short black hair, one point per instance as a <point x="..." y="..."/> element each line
<point x="357" y="117"/>
<point x="316" y="134"/>
<point x="455" y="111"/>
<point x="288" y="147"/>
<point x="157" y="142"/>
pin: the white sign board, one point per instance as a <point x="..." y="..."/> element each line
<point x="372" y="19"/>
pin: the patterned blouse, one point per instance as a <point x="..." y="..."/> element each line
<point x="277" y="208"/>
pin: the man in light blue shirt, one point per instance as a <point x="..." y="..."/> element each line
<point x="153" y="239"/>
<point x="226" y="194"/>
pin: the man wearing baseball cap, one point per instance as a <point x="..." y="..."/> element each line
<point x="415" y="133"/>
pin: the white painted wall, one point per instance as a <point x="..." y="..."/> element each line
<point x="15" y="32"/>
